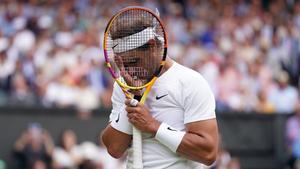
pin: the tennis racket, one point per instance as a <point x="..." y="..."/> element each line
<point x="135" y="49"/>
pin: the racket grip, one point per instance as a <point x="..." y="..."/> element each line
<point x="134" y="102"/>
<point x="137" y="149"/>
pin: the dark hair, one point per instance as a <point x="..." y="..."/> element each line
<point x="133" y="21"/>
<point x="130" y="22"/>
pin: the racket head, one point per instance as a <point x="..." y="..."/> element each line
<point x="135" y="47"/>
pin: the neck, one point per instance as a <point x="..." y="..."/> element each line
<point x="168" y="64"/>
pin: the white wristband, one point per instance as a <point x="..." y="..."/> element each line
<point x="169" y="136"/>
<point x="121" y="123"/>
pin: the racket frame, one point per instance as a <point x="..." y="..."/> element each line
<point x="123" y="85"/>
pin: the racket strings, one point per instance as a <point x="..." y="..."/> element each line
<point x="135" y="48"/>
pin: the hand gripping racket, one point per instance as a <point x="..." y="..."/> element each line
<point x="135" y="49"/>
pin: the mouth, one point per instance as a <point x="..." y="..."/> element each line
<point x="137" y="73"/>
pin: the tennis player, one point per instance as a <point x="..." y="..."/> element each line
<point x="177" y="120"/>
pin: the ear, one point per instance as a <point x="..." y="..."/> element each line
<point x="153" y="44"/>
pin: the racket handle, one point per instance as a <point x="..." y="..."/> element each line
<point x="137" y="139"/>
<point x="134" y="102"/>
<point x="137" y="149"/>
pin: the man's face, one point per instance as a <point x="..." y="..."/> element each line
<point x="140" y="64"/>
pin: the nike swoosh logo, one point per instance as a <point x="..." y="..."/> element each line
<point x="159" y="97"/>
<point x="118" y="118"/>
<point x="169" y="128"/>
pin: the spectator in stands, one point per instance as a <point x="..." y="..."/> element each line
<point x="234" y="163"/>
<point x="6" y="67"/>
<point x="285" y="96"/>
<point x="293" y="135"/>
<point x="39" y="165"/>
<point x="264" y="105"/>
<point x="92" y="159"/>
<point x="21" y="93"/>
<point x="34" y="144"/>
<point x="87" y="98"/>
<point x="67" y="155"/>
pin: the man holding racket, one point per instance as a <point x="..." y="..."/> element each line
<point x="177" y="119"/>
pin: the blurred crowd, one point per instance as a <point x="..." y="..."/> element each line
<point x="35" y="149"/>
<point x="249" y="51"/>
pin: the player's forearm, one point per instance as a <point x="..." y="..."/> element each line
<point x="199" y="148"/>
<point x="115" y="141"/>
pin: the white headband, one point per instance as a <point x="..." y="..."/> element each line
<point x="135" y="40"/>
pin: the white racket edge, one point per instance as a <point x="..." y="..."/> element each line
<point x="136" y="143"/>
<point x="137" y="149"/>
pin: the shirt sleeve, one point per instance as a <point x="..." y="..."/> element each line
<point x="118" y="116"/>
<point x="198" y="100"/>
<point x="117" y="102"/>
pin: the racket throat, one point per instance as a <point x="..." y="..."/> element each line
<point x="137" y="97"/>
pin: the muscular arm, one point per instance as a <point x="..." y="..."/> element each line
<point x="116" y="136"/>
<point x="115" y="141"/>
<point x="200" y="143"/>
